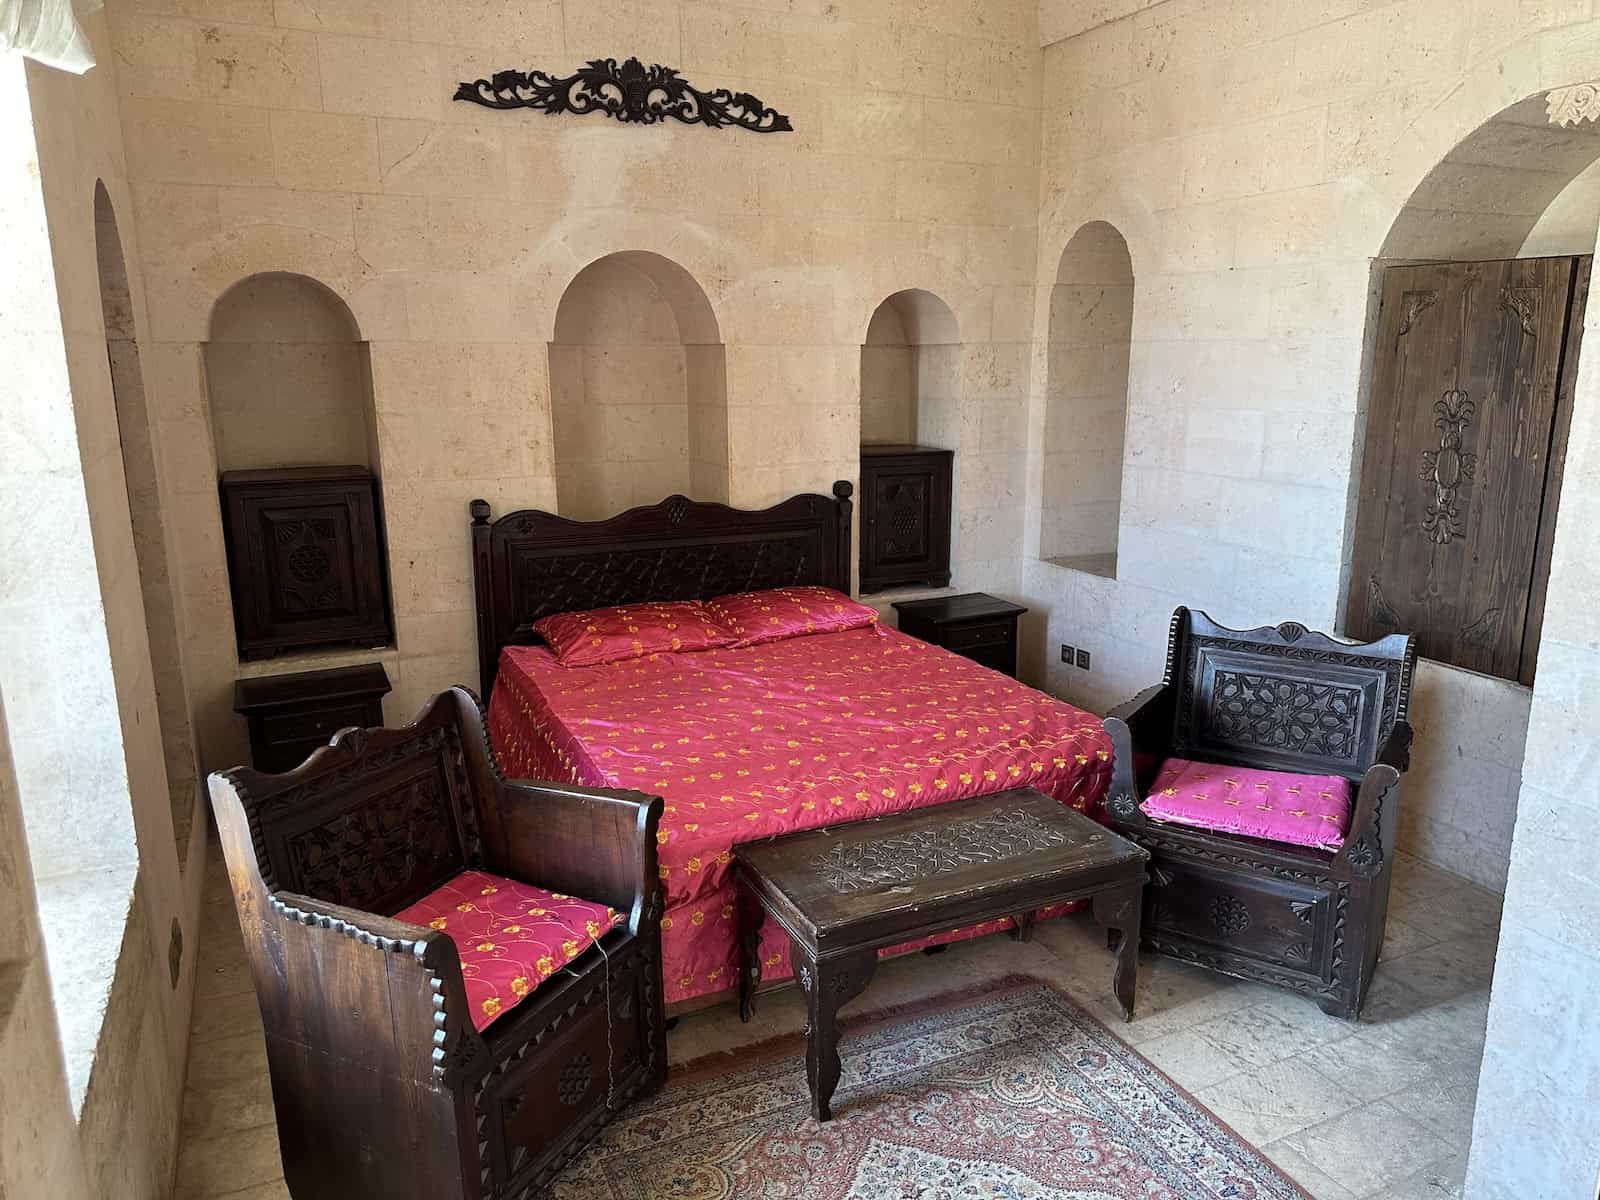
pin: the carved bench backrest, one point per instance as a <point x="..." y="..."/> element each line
<point x="1284" y="697"/>
<point x="374" y="821"/>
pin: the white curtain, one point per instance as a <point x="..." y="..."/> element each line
<point x="47" y="30"/>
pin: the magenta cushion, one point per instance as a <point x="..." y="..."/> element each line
<point x="1303" y="810"/>
<point x="511" y="936"/>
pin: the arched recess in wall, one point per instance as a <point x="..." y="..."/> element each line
<point x="289" y="377"/>
<point x="289" y="382"/>
<point x="1472" y="351"/>
<point x="142" y="477"/>
<point x="1086" y="401"/>
<point x="638" y="388"/>
<point x="911" y="370"/>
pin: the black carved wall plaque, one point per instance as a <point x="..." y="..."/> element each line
<point x="630" y="93"/>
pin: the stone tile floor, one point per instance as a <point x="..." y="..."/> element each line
<point x="1380" y="1110"/>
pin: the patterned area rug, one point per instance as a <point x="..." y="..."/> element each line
<point x="1011" y="1094"/>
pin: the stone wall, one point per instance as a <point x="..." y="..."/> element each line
<point x="322" y="140"/>
<point x="1255" y="158"/>
<point x="1258" y="157"/>
<point x="101" y="883"/>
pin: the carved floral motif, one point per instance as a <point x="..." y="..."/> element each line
<point x="1573" y="105"/>
<point x="1279" y="713"/>
<point x="903" y="858"/>
<point x="1449" y="467"/>
<point x="1229" y="915"/>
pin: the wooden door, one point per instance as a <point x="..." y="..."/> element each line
<point x="1461" y="467"/>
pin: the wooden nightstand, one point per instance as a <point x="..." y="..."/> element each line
<point x="291" y="715"/>
<point x="976" y="625"/>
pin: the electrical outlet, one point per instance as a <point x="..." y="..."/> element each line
<point x="1067" y="653"/>
<point x="1083" y="659"/>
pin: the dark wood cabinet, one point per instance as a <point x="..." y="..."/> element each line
<point x="905" y="516"/>
<point x="291" y="715"/>
<point x="306" y="561"/>
<point x="977" y="626"/>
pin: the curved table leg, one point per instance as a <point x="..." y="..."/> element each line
<point x="828" y="985"/>
<point x="1119" y="911"/>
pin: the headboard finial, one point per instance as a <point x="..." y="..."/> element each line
<point x="843" y="489"/>
<point x="479" y="510"/>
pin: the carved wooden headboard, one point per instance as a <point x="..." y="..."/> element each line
<point x="530" y="564"/>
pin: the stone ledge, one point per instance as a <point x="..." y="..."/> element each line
<point x="84" y="916"/>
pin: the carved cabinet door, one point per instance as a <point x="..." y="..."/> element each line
<point x="1460" y="474"/>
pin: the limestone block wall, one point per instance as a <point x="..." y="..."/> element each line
<point x="322" y="140"/>
<point x="1256" y="158"/>
<point x="96" y="1034"/>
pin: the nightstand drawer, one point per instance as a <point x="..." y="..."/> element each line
<point x="975" y="625"/>
<point x="319" y="723"/>
<point x="973" y="637"/>
<point x="292" y="715"/>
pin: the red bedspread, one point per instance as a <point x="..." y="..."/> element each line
<point x="789" y="735"/>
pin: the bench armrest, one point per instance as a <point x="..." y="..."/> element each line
<point x="1375" y="820"/>
<point x="1140" y="731"/>
<point x="595" y="843"/>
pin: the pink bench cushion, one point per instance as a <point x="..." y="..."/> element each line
<point x="1303" y="810"/>
<point x="511" y="936"/>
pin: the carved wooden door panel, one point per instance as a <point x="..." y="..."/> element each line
<point x="1460" y="439"/>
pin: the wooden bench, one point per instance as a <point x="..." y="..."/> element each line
<point x="845" y="892"/>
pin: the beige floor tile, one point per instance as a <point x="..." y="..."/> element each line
<point x="209" y="1167"/>
<point x="244" y="1103"/>
<point x="1441" y="1180"/>
<point x="225" y="1017"/>
<point x="1401" y="938"/>
<point x="1272" y="1030"/>
<point x="1444" y="1102"/>
<point x="1368" y="1148"/>
<point x="1268" y="1103"/>
<point x="1189" y="1057"/>
<point x="1298" y="1168"/>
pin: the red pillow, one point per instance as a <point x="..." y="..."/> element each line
<point x="602" y="635"/>
<point x="757" y="617"/>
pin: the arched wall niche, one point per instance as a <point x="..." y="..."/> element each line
<point x="1086" y="400"/>
<point x="141" y="475"/>
<point x="638" y="388"/>
<point x="289" y="377"/>
<point x="911" y="372"/>
<point x="1489" y="193"/>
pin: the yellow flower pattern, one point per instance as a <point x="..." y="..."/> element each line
<point x="510" y="936"/>
<point x="789" y="734"/>
<point x="1302" y="810"/>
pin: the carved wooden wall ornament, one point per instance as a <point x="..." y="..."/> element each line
<point x="630" y="93"/>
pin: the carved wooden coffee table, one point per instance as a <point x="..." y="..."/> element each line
<point x="845" y="892"/>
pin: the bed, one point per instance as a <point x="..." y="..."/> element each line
<point x="751" y="742"/>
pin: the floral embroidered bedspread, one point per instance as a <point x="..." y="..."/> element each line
<point x="747" y="743"/>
